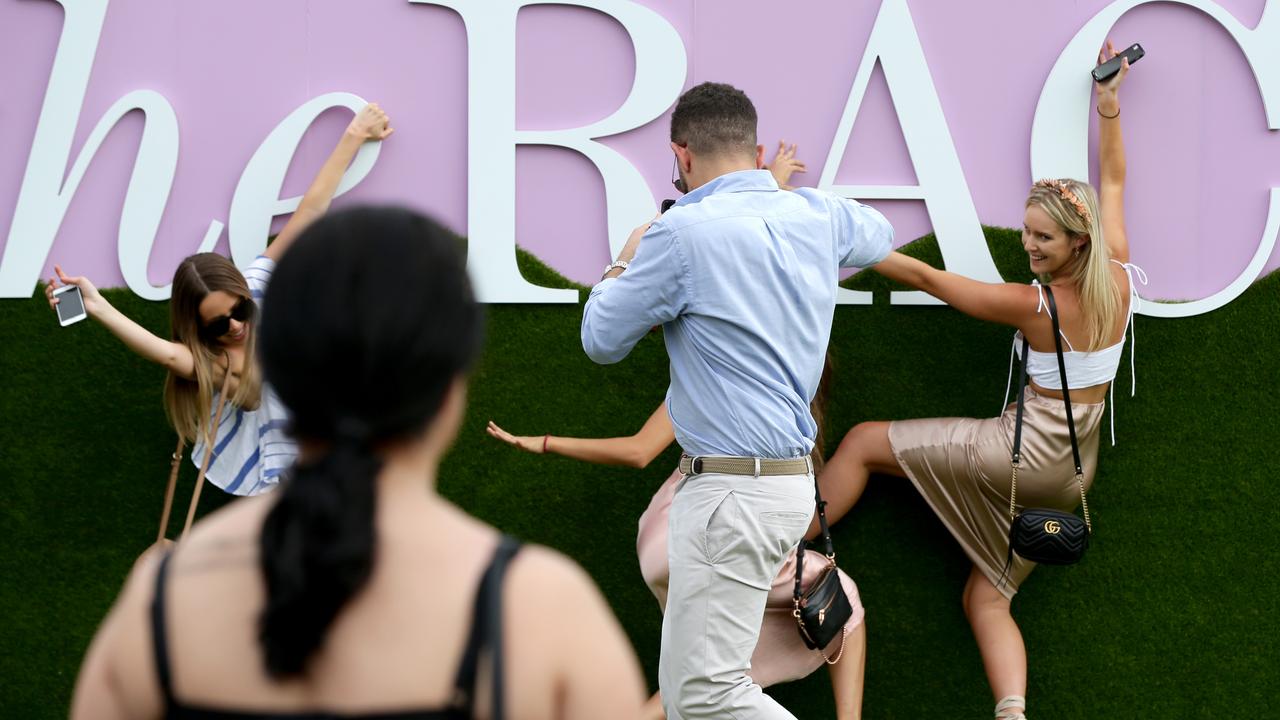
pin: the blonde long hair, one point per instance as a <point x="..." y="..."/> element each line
<point x="1073" y="205"/>
<point x="189" y="403"/>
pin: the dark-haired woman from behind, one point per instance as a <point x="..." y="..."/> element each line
<point x="369" y="595"/>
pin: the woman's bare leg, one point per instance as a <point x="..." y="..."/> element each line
<point x="847" y="674"/>
<point x="1003" y="654"/>
<point x="865" y="449"/>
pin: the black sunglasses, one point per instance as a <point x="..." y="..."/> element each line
<point x="243" y="311"/>
<point x="676" y="180"/>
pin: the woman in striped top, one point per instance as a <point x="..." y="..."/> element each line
<point x="211" y="321"/>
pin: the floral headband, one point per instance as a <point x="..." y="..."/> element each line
<point x="1068" y="196"/>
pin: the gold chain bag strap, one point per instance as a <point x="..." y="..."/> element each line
<point x="1045" y="535"/>
<point x="823" y="610"/>
<point x="204" y="468"/>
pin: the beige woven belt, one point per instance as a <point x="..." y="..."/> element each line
<point x="744" y="465"/>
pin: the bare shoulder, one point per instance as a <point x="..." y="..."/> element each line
<point x="563" y="626"/>
<point x="139" y="585"/>
<point x="540" y="572"/>
<point x="555" y="594"/>
<point x="241" y="519"/>
<point x="1120" y="274"/>
<point x="130" y="611"/>
<point x="117" y="678"/>
<point x="226" y="539"/>
<point x="1124" y="286"/>
<point x="1024" y="293"/>
<point x="1019" y="302"/>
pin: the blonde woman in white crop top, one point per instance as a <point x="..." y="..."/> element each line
<point x="1075" y="242"/>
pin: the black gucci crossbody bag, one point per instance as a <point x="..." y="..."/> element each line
<point x="1045" y="535"/>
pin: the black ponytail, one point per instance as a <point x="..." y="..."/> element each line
<point x="366" y="324"/>
<point x="317" y="550"/>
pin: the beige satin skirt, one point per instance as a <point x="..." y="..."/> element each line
<point x="961" y="467"/>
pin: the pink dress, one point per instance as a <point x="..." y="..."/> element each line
<point x="780" y="655"/>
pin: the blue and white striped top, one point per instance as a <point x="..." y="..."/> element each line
<point x="252" y="449"/>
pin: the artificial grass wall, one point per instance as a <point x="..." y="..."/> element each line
<point x="1169" y="616"/>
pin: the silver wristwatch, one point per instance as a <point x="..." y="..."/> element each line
<point x="613" y="266"/>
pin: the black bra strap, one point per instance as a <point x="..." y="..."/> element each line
<point x="159" y="637"/>
<point x="486" y="632"/>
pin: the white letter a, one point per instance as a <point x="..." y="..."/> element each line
<point x="942" y="187"/>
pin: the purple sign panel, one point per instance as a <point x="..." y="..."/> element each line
<point x="136" y="132"/>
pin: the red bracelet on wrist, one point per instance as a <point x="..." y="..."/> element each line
<point x="545" y="438"/>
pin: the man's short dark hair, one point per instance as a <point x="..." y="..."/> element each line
<point x="715" y="119"/>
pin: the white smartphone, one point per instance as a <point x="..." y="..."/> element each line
<point x="70" y="305"/>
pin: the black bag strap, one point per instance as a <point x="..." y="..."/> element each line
<point x="1017" y="425"/>
<point x="826" y="539"/>
<point x="486" y="633"/>
<point x="1062" y="373"/>
<point x="1066" y="398"/>
<point x="1016" y="457"/>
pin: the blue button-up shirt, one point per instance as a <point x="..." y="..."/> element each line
<point x="742" y="277"/>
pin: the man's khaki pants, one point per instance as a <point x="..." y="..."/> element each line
<point x="728" y="537"/>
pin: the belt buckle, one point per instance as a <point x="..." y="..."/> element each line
<point x="695" y="464"/>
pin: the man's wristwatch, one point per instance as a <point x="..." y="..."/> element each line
<point x="613" y="266"/>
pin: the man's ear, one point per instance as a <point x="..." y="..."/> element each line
<point x="682" y="157"/>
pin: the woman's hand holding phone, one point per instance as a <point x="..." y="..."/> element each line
<point x="93" y="302"/>
<point x="1108" y="90"/>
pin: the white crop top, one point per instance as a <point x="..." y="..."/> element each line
<point x="1084" y="369"/>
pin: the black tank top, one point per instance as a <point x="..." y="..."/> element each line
<point x="486" y="634"/>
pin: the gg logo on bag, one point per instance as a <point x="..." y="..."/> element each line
<point x="1052" y="527"/>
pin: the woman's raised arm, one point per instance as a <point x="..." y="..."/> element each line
<point x="371" y="123"/>
<point x="175" y="357"/>
<point x="1111" y="163"/>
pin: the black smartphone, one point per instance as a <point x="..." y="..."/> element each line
<point x="666" y="204"/>
<point x="1108" y="69"/>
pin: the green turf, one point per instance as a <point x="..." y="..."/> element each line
<point x="1169" y="616"/>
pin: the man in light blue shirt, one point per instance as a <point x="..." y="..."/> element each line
<point x="742" y="278"/>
